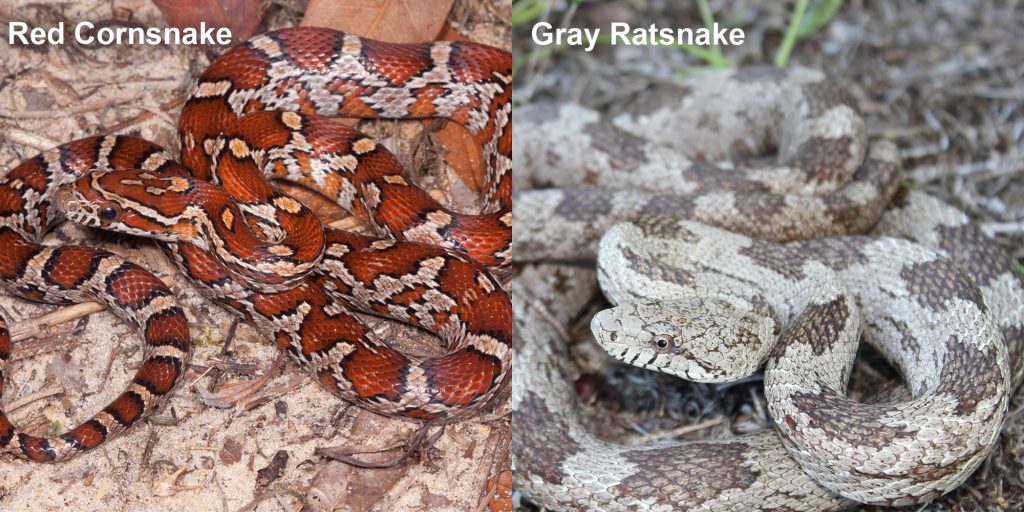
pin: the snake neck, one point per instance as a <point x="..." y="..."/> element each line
<point x="179" y="209"/>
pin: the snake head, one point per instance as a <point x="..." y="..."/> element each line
<point x="82" y="204"/>
<point x="694" y="337"/>
<point x="131" y="201"/>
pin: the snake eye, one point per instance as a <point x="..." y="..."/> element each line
<point x="109" y="213"/>
<point x="661" y="342"/>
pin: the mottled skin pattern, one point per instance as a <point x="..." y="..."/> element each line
<point x="226" y="235"/>
<point x="425" y="285"/>
<point x="918" y="308"/>
<point x="72" y="274"/>
<point x="654" y="163"/>
<point x="560" y="464"/>
<point x="316" y="71"/>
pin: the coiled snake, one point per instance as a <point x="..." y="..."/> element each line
<point x="947" y="312"/>
<point x="253" y="115"/>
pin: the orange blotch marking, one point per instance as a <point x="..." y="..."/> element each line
<point x="375" y="373"/>
<point x="126" y="409"/>
<point x="460" y="377"/>
<point x="159" y="374"/>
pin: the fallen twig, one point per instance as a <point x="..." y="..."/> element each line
<point x="91" y="106"/>
<point x="32" y="397"/>
<point x="36" y="326"/>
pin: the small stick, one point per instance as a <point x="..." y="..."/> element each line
<point x="35" y="327"/>
<point x="235" y="393"/>
<point x="27" y="138"/>
<point x="291" y="385"/>
<point x="91" y="106"/>
<point x="142" y="117"/>
<point x="32" y="397"/>
<point x="685" y="429"/>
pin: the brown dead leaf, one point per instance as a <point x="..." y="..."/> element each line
<point x="450" y="34"/>
<point x="326" y="209"/>
<point x="462" y="151"/>
<point x="501" y="498"/>
<point x="397" y="21"/>
<point x="274" y="470"/>
<point x="355" y="489"/>
<point x="231" y="452"/>
<point x="241" y="16"/>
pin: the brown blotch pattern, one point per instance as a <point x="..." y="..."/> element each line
<point x="839" y="418"/>
<point x="838" y="253"/>
<point x="965" y="363"/>
<point x="784" y="259"/>
<point x="582" y="204"/>
<point x="934" y="283"/>
<point x="661" y="226"/>
<point x="542" y="443"/>
<point x="655" y="269"/>
<point x="819" y="325"/>
<point x="625" y="149"/>
<point x="715" y="467"/>
<point x="974" y="252"/>
<point x="822" y="159"/>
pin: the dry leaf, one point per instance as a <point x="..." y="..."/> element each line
<point x="397" y="21"/>
<point x="241" y="16"/>
<point x="450" y="34"/>
<point x="231" y="452"/>
<point x="462" y="151"/>
<point x="274" y="470"/>
<point x="356" y="489"/>
<point x="327" y="210"/>
<point x="501" y="501"/>
<point x="464" y="154"/>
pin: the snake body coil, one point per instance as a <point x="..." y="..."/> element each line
<point x="68" y="274"/>
<point x="427" y="277"/>
<point x="265" y="255"/>
<point x="941" y="313"/>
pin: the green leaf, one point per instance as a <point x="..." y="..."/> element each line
<point x="712" y="56"/>
<point x="818" y="15"/>
<point x="792" y="31"/>
<point x="526" y="11"/>
<point x="807" y="18"/>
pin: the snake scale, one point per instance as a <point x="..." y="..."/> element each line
<point x="253" y="115"/>
<point x="934" y="294"/>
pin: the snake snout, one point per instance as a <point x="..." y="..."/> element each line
<point x="605" y="327"/>
<point x="75" y="207"/>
